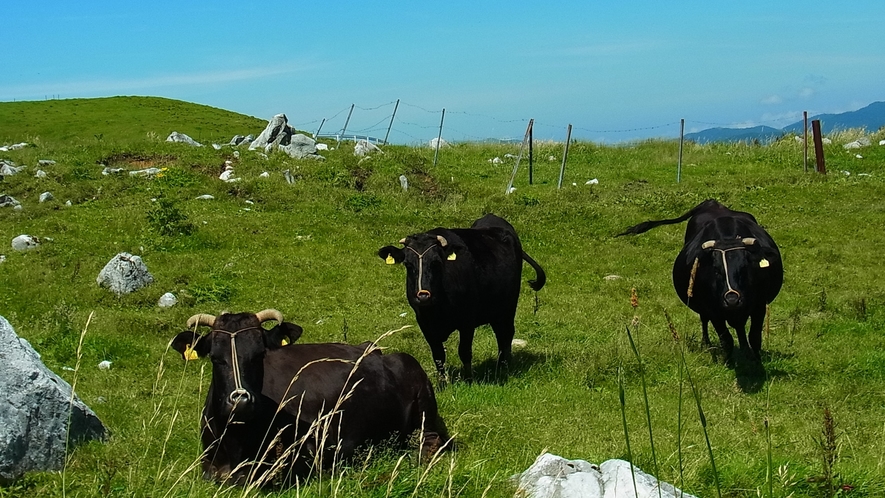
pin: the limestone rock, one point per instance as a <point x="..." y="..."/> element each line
<point x="35" y="407"/>
<point x="182" y="138"/>
<point x="25" y="242"/>
<point x="124" y="273"/>
<point x="167" y="300"/>
<point x="46" y="196"/>
<point x="8" y="201"/>
<point x="363" y="148"/>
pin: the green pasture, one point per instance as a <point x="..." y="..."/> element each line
<point x="309" y="250"/>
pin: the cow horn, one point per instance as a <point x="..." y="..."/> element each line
<point x="748" y="241"/>
<point x="402" y="241"/>
<point x="442" y="240"/>
<point x="269" y="314"/>
<point x="200" y="319"/>
<point x="708" y="244"/>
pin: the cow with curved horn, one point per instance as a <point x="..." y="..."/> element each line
<point x="274" y="410"/>
<point x="461" y="278"/>
<point x="728" y="271"/>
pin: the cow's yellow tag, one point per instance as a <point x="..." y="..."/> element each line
<point x="764" y="263"/>
<point x="452" y="257"/>
<point x="190" y="354"/>
<point x="390" y="260"/>
<point x="285" y="341"/>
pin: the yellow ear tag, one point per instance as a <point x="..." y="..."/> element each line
<point x="764" y="263"/>
<point x="190" y="354"/>
<point x="390" y="260"/>
<point x="452" y="257"/>
<point x="284" y="342"/>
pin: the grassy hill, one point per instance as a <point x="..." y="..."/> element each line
<point x="120" y="119"/>
<point x="309" y="249"/>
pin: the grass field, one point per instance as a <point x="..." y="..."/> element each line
<point x="309" y="250"/>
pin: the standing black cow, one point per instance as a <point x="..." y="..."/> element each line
<point x="461" y="278"/>
<point x="728" y="271"/>
<point x="276" y="409"/>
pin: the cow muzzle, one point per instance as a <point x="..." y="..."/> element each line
<point x="423" y="297"/>
<point x="732" y="299"/>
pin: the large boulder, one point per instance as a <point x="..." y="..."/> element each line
<point x="276" y="133"/>
<point x="124" y="273"/>
<point x="301" y="146"/>
<point x="37" y="411"/>
<point x="553" y="476"/>
<point x="182" y="138"/>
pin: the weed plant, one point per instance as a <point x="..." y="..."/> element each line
<point x="309" y="249"/>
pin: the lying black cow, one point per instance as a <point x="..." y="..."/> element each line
<point x="461" y="278"/>
<point x="728" y="271"/>
<point x="275" y="409"/>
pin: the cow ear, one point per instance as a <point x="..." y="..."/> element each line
<point x="391" y="255"/>
<point x="282" y="335"/>
<point x="189" y="345"/>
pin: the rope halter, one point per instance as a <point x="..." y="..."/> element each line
<point x="711" y="244"/>
<point x="442" y="242"/>
<point x="237" y="395"/>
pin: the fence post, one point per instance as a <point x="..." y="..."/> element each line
<point x="568" y="138"/>
<point x="317" y="134"/>
<point x="681" y="140"/>
<point x="805" y="139"/>
<point x="519" y="157"/>
<point x="346" y="122"/>
<point x="439" y="137"/>
<point x="391" y="121"/>
<point x="531" y="140"/>
<point x="818" y="147"/>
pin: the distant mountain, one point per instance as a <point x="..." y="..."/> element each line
<point x="871" y="117"/>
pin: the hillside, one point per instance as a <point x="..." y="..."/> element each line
<point x="120" y="119"/>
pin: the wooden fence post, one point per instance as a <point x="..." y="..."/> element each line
<point x="818" y="147"/>
<point x="568" y="139"/>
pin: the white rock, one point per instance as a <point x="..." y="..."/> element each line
<point x="40" y="174"/>
<point x="236" y="154"/>
<point x="124" y="273"/>
<point x="364" y="148"/>
<point x="881" y="142"/>
<point x="68" y="203"/>
<point x="182" y="138"/>
<point x="205" y="197"/>
<point x="288" y="176"/>
<point x="216" y="146"/>
<point x="111" y="171"/>
<point x="8" y="201"/>
<point x="167" y="300"/>
<point x="46" y="196"/>
<point x="322" y="146"/>
<point x="496" y="160"/>
<point x="551" y="158"/>
<point x="46" y="162"/>
<point x="509" y="156"/>
<point x="104" y="365"/>
<point x="7" y="169"/>
<point x="858" y="156"/>
<point x="404" y="182"/>
<point x="145" y="172"/>
<point x="228" y="176"/>
<point x="518" y="343"/>
<point x="594" y="181"/>
<point x="264" y="175"/>
<point x="433" y="143"/>
<point x="512" y="190"/>
<point x="612" y="277"/>
<point x="2" y="258"/>
<point x="25" y="242"/>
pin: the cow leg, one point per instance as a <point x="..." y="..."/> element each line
<point x="504" y="332"/>
<point x="438" y="351"/>
<point x="705" y="335"/>
<point x="757" y="319"/>
<point x="465" y="352"/>
<point x="725" y="339"/>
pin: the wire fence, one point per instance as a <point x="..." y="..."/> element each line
<point x="400" y="122"/>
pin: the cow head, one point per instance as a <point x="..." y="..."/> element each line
<point x="236" y="344"/>
<point x="731" y="269"/>
<point x="424" y="255"/>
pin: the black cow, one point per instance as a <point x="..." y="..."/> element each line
<point x="275" y="409"/>
<point x="461" y="278"/>
<point x="728" y="271"/>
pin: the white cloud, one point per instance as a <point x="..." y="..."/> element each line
<point x="772" y="99"/>
<point x="806" y="92"/>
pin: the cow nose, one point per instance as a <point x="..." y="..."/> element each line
<point x="423" y="296"/>
<point x="240" y="397"/>
<point x="732" y="299"/>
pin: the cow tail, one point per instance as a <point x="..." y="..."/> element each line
<point x="648" y="225"/>
<point x="540" y="276"/>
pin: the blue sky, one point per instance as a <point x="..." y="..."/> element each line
<point x="614" y="70"/>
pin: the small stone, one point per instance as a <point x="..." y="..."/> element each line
<point x="46" y="196"/>
<point x="25" y="242"/>
<point x="612" y="277"/>
<point x="46" y="162"/>
<point x="167" y="300"/>
<point x="40" y="174"/>
<point x="104" y="365"/>
<point x="205" y="197"/>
